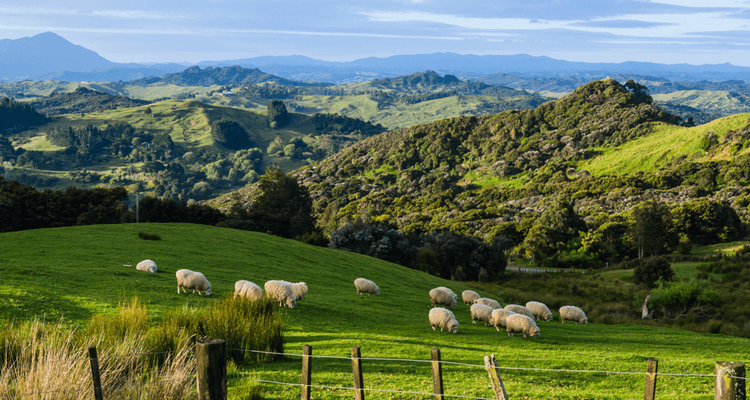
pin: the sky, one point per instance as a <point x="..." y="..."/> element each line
<point x="662" y="31"/>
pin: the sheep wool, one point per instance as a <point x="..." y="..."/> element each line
<point x="248" y="289"/>
<point x="146" y="266"/>
<point x="539" y="310"/>
<point x="573" y="313"/>
<point x="366" y="286"/>
<point x="520" y="310"/>
<point x="443" y="298"/>
<point x="443" y="319"/>
<point x="480" y="312"/>
<point x="452" y="293"/>
<point x="281" y="292"/>
<point x="299" y="289"/>
<point x="469" y="296"/>
<point x="498" y="317"/>
<point x="187" y="279"/>
<point x="519" y="323"/>
<point x="488" y="302"/>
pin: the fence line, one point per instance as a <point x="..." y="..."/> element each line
<point x="366" y="389"/>
<point x="482" y="366"/>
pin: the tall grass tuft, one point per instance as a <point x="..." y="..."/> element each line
<point x="246" y="325"/>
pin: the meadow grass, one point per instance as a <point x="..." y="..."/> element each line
<point x="658" y="149"/>
<point x="78" y="271"/>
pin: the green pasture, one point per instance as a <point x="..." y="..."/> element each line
<point x="658" y="149"/>
<point x="76" y="272"/>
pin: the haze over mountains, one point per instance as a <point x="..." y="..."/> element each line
<point x="48" y="56"/>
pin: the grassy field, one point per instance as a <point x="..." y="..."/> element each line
<point x="712" y="101"/>
<point x="658" y="149"/>
<point x="79" y="271"/>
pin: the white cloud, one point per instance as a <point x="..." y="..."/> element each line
<point x="127" y="14"/>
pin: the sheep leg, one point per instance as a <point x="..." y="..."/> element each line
<point x="433" y="327"/>
<point x="473" y="321"/>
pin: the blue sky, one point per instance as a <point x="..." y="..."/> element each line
<point x="664" y="31"/>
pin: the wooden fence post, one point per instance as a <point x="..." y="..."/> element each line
<point x="490" y="364"/>
<point x="730" y="381"/>
<point x="211" y="371"/>
<point x="437" y="374"/>
<point x="95" y="373"/>
<point x="306" y="371"/>
<point x="359" y="386"/>
<point x="651" y="370"/>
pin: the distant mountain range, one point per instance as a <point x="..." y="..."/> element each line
<point x="48" y="56"/>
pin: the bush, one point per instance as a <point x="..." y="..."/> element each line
<point x="148" y="236"/>
<point x="649" y="273"/>
<point x="681" y="299"/>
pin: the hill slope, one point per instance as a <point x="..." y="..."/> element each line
<point x="77" y="271"/>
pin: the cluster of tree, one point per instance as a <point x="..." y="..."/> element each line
<point x="83" y="100"/>
<point x="446" y="254"/>
<point x="282" y="208"/>
<point x="334" y="124"/>
<point x="269" y="91"/>
<point x="23" y="207"/>
<point x="16" y="117"/>
<point x="230" y="134"/>
<point x="91" y="144"/>
<point x="295" y="148"/>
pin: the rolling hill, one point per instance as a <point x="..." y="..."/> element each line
<point x="79" y="271"/>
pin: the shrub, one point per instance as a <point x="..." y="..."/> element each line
<point x="689" y="298"/>
<point x="148" y="236"/>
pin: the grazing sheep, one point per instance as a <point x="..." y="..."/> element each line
<point x="299" y="289"/>
<point x="248" y="289"/>
<point x="187" y="279"/>
<point x="443" y="298"/>
<point x="520" y="310"/>
<point x="469" y="296"/>
<point x="366" y="286"/>
<point x="443" y="319"/>
<point x="488" y="302"/>
<point x="498" y="317"/>
<point x="452" y="293"/>
<point x="539" y="310"/>
<point x="480" y="312"/>
<point x="573" y="313"/>
<point x="281" y="292"/>
<point x="519" y="323"/>
<point x="146" y="266"/>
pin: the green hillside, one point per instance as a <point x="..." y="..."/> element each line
<point x="720" y="102"/>
<point x="78" y="271"/>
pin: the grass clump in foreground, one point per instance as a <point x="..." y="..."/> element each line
<point x="138" y="359"/>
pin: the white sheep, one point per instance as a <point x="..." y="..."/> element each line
<point x="443" y="319"/>
<point x="539" y="310"/>
<point x="480" y="312"/>
<point x="519" y="323"/>
<point x="518" y="309"/>
<point x="366" y="286"/>
<point x="452" y="293"/>
<point x="248" y="289"/>
<point x="498" y="317"/>
<point x="146" y="266"/>
<point x="187" y="279"/>
<point x="281" y="292"/>
<point x="442" y="297"/>
<point x="299" y="289"/>
<point x="573" y="313"/>
<point x="469" y="296"/>
<point x="488" y="302"/>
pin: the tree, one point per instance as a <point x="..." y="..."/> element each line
<point x="651" y="228"/>
<point x="640" y="92"/>
<point x="284" y="207"/>
<point x="648" y="273"/>
<point x="230" y="134"/>
<point x="553" y="229"/>
<point x="277" y="114"/>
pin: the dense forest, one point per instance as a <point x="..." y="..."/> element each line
<point x="16" y="117"/>
<point x="235" y="75"/>
<point x="82" y="100"/>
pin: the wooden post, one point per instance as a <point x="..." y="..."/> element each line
<point x="95" y="373"/>
<point x="211" y="371"/>
<point x="306" y="371"/>
<point x="730" y="381"/>
<point x="359" y="385"/>
<point x="490" y="364"/>
<point x="437" y="374"/>
<point x="651" y="370"/>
